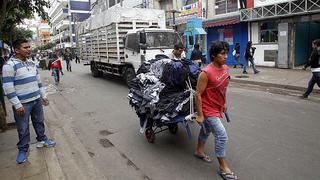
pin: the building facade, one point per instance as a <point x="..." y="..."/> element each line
<point x="282" y="30"/>
<point x="64" y="16"/>
<point x="223" y="24"/>
<point x="44" y="32"/>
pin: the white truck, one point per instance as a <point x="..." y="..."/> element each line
<point x="118" y="40"/>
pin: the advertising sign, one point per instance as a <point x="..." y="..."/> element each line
<point x="258" y="3"/>
<point x="189" y="11"/>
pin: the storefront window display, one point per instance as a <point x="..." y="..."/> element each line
<point x="268" y="32"/>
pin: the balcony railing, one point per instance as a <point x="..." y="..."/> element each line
<point x="294" y="7"/>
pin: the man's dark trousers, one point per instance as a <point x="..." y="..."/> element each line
<point x="315" y="79"/>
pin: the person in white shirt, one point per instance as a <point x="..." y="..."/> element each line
<point x="177" y="52"/>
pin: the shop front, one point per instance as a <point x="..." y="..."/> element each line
<point x="229" y="30"/>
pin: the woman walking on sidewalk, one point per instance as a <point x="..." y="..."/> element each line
<point x="314" y="62"/>
<point x="249" y="58"/>
<point x="211" y="102"/>
<point x="236" y="55"/>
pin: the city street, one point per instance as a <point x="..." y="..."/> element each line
<point x="271" y="136"/>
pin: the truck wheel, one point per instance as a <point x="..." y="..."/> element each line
<point x="173" y="128"/>
<point x="151" y="137"/>
<point x="129" y="75"/>
<point x="95" y="72"/>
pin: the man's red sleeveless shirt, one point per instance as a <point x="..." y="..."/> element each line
<point x="214" y="96"/>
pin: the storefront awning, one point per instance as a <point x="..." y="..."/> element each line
<point x="225" y="22"/>
<point x="199" y="31"/>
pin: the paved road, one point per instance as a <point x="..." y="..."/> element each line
<point x="272" y="136"/>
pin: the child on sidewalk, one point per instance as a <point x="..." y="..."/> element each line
<point x="56" y="68"/>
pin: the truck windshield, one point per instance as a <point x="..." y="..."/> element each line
<point x="164" y="40"/>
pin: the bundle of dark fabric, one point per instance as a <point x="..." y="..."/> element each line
<point x="159" y="90"/>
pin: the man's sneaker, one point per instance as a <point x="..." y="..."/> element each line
<point x="46" y="143"/>
<point x="256" y="72"/>
<point x="21" y="157"/>
<point x="245" y="72"/>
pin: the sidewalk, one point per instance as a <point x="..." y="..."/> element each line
<point x="67" y="160"/>
<point x="292" y="79"/>
<point x="42" y="163"/>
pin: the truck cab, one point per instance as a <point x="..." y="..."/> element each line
<point x="145" y="44"/>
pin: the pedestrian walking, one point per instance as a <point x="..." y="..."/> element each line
<point x="56" y="68"/>
<point x="67" y="58"/>
<point x="314" y="62"/>
<point x="23" y="88"/>
<point x="211" y="103"/>
<point x="77" y="59"/>
<point x="236" y="55"/>
<point x="196" y="55"/>
<point x="249" y="58"/>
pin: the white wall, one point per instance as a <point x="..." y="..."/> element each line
<point x="267" y="2"/>
<point x="259" y="53"/>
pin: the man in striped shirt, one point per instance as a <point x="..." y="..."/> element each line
<point x="23" y="88"/>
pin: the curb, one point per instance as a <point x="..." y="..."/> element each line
<point x="69" y="151"/>
<point x="283" y="86"/>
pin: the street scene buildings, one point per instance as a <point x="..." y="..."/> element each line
<point x="133" y="89"/>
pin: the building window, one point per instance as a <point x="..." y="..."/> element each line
<point x="112" y="3"/>
<point x="226" y="6"/>
<point x="270" y="55"/>
<point x="132" y="42"/>
<point x="268" y="32"/>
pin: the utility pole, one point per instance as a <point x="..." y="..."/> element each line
<point x="75" y="20"/>
<point x="70" y="23"/>
<point x="173" y="11"/>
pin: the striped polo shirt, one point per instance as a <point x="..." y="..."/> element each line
<point x="21" y="81"/>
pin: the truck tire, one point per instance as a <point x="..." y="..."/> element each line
<point x="95" y="72"/>
<point x="129" y="75"/>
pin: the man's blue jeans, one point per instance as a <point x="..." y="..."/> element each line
<point x="315" y="79"/>
<point x="252" y="63"/>
<point x="35" y="110"/>
<point x="214" y="125"/>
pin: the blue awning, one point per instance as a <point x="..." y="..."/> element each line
<point x="199" y="31"/>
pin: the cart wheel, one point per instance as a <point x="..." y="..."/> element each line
<point x="151" y="137"/>
<point x="173" y="128"/>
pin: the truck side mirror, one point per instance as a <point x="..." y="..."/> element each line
<point x="143" y="38"/>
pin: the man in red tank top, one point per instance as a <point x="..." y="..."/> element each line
<point x="211" y="103"/>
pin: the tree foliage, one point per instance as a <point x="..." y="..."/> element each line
<point x="45" y="47"/>
<point x="16" y="33"/>
<point x="13" y="12"/>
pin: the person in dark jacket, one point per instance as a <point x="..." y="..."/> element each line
<point x="68" y="59"/>
<point x="236" y="55"/>
<point x="314" y="63"/>
<point x="249" y="57"/>
<point x="196" y="55"/>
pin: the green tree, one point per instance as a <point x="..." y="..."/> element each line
<point x="16" y="33"/>
<point x="13" y="12"/>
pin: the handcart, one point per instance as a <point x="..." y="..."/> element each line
<point x="152" y="127"/>
<point x="156" y="127"/>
